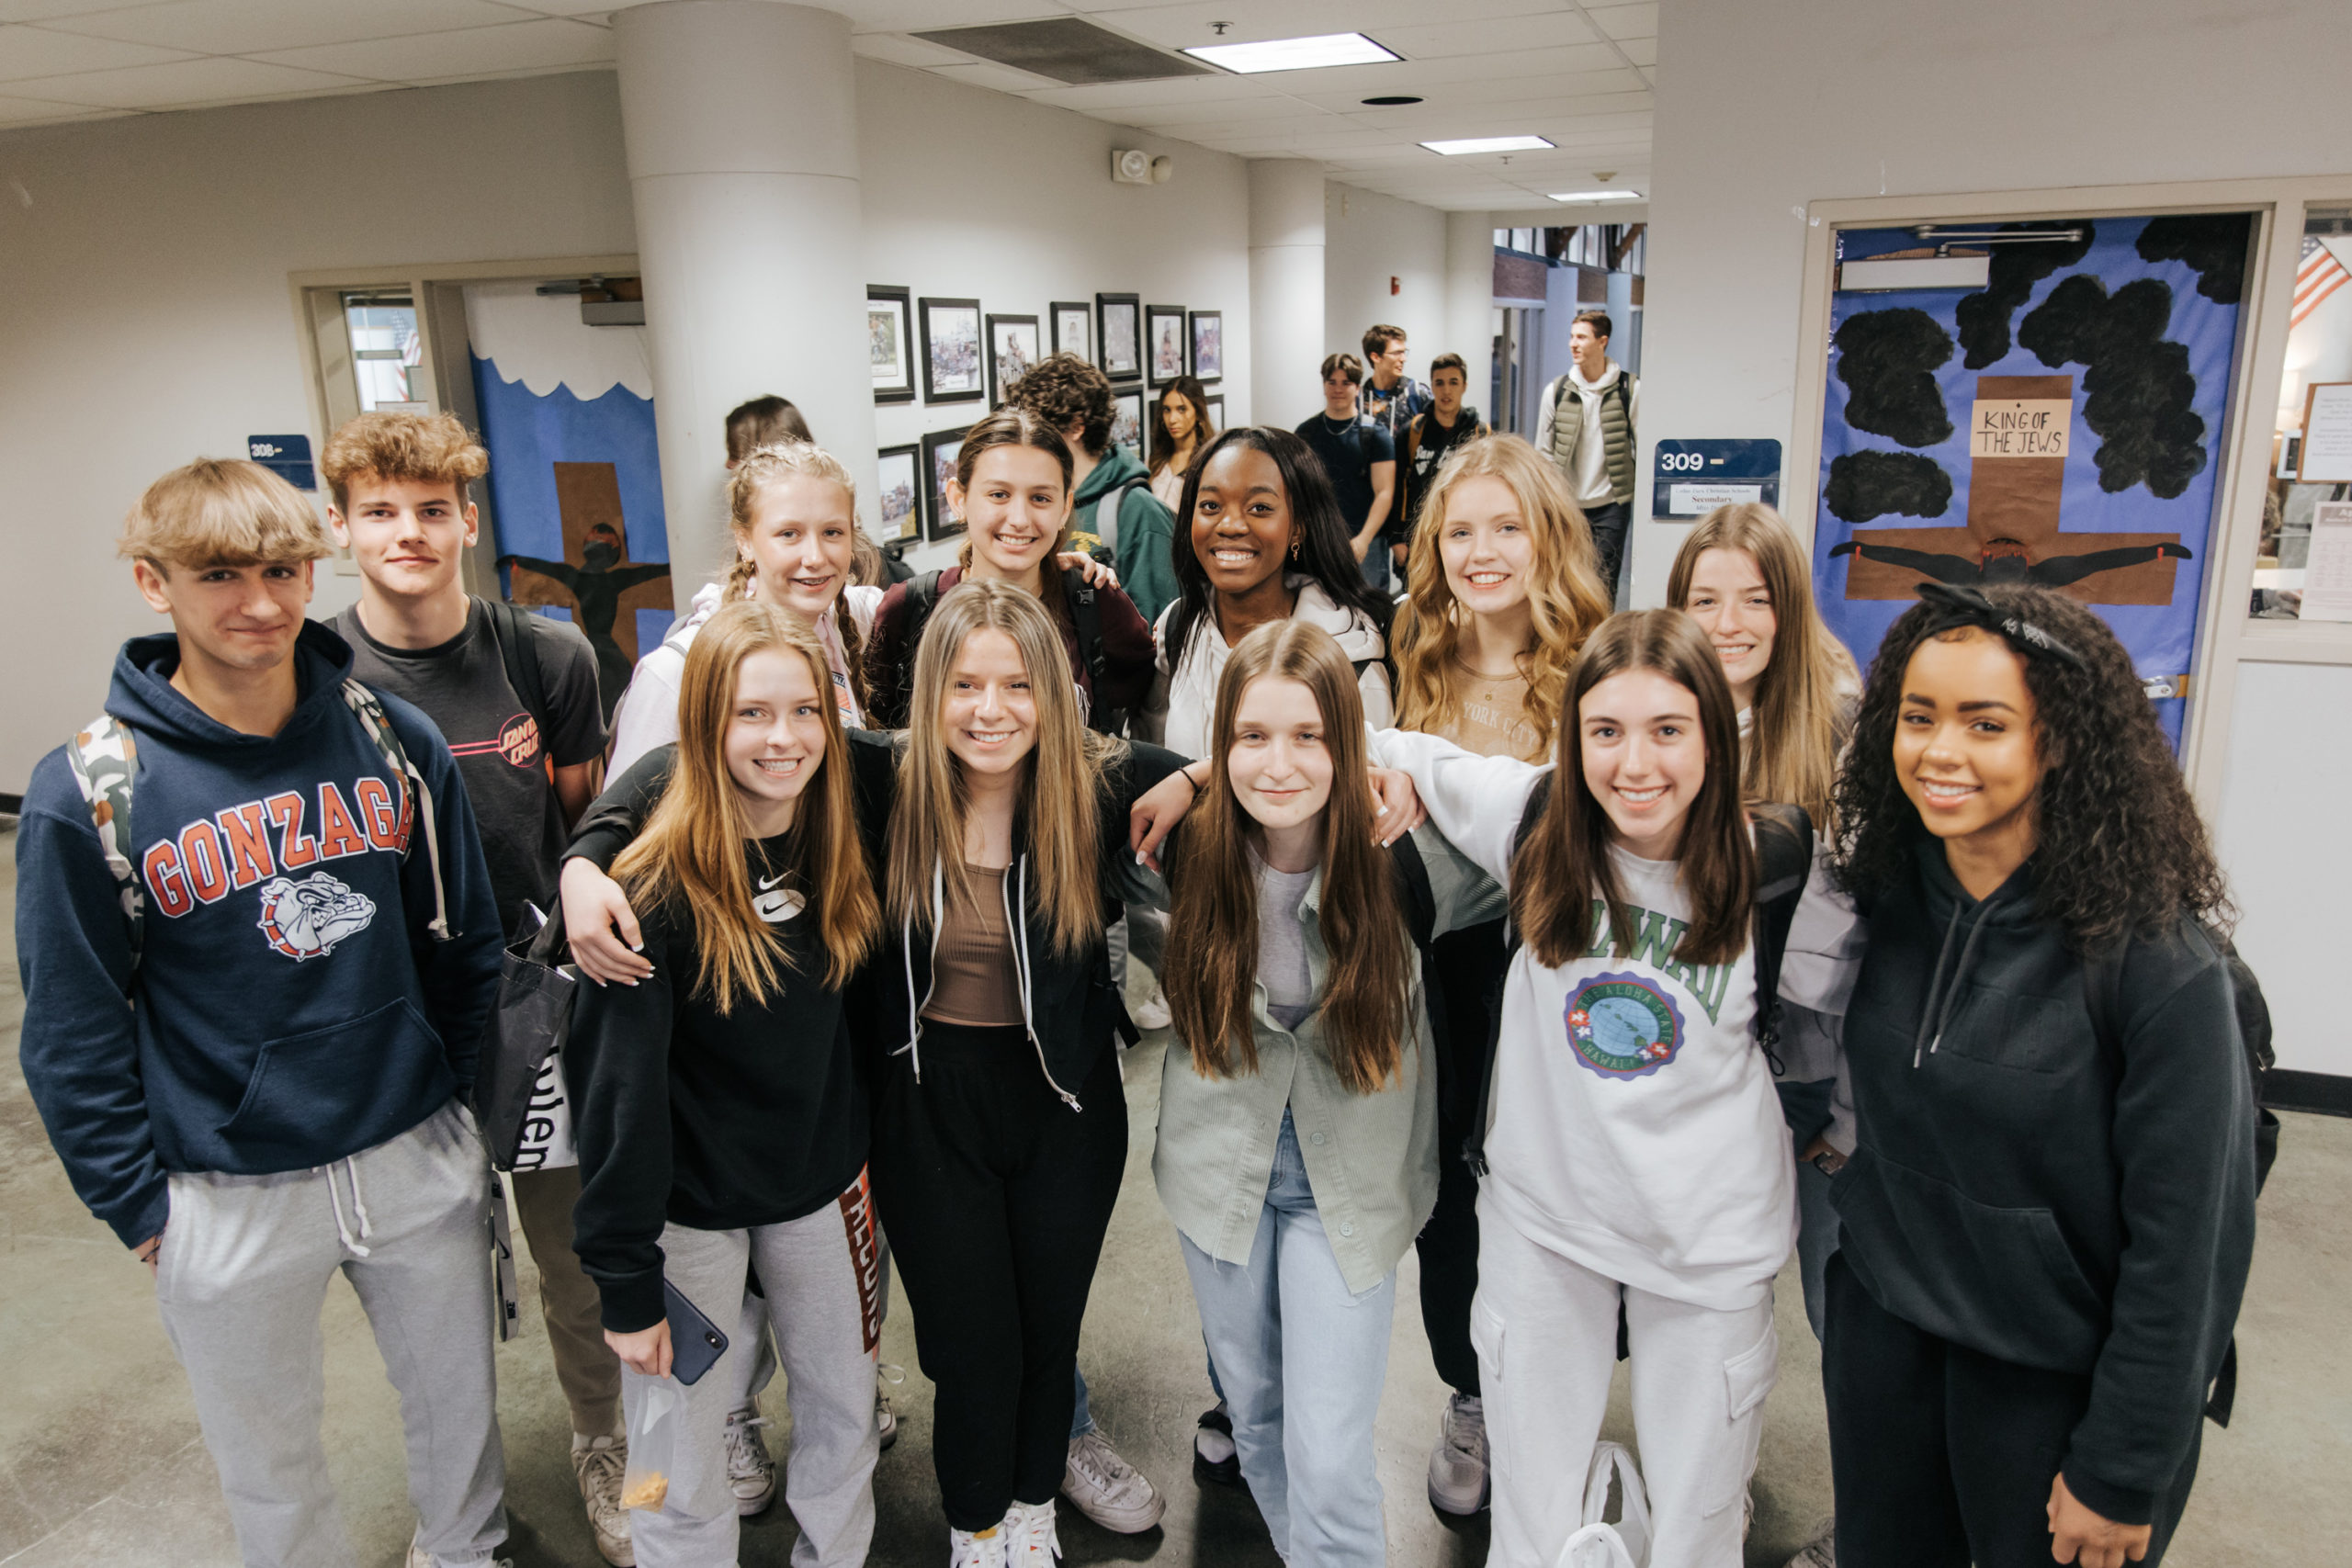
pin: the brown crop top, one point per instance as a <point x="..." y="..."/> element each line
<point x="972" y="976"/>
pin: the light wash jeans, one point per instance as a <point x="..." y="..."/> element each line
<point x="1301" y="1360"/>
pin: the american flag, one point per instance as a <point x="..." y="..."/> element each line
<point x="2320" y="276"/>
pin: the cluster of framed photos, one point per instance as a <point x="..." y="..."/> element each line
<point x="957" y="353"/>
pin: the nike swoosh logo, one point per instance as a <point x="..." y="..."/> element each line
<point x="768" y="882"/>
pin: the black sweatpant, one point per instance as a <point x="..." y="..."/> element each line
<point x="996" y="1195"/>
<point x="1611" y="523"/>
<point x="1941" y="1455"/>
<point x="1470" y="965"/>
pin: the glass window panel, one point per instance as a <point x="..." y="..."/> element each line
<point x="2319" y="352"/>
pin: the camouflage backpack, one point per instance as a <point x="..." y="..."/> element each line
<point x="105" y="758"/>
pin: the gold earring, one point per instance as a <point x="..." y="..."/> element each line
<point x="1294" y="546"/>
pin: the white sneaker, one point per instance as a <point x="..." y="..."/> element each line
<point x="1029" y="1538"/>
<point x="1151" y="1011"/>
<point x="979" y="1549"/>
<point x="886" y="1420"/>
<point x="1458" y="1463"/>
<point x="599" y="1465"/>
<point x="1821" y="1551"/>
<point x="751" y="1469"/>
<point x="1107" y="1489"/>
<point x="420" y="1558"/>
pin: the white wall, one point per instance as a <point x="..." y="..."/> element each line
<point x="1368" y="239"/>
<point x="970" y="193"/>
<point x="147" y="318"/>
<point x="1762" y="109"/>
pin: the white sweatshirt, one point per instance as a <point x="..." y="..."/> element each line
<point x="1194" y="673"/>
<point x="1633" y="1123"/>
<point x="647" y="716"/>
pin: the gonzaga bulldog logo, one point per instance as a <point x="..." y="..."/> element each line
<point x="306" y="919"/>
<point x="1624" y="1026"/>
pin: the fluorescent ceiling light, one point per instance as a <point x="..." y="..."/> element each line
<point x="1294" y="53"/>
<point x="1487" y="144"/>
<point x="1597" y="196"/>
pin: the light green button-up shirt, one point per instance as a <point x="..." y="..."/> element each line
<point x="1371" y="1158"/>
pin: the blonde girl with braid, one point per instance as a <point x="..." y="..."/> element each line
<point x="791" y="511"/>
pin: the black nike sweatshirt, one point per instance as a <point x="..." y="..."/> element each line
<point x="2030" y="1191"/>
<point x="719" y="1121"/>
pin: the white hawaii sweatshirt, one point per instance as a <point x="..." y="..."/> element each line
<point x="1632" y="1125"/>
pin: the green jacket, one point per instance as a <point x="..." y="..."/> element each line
<point x="1371" y="1160"/>
<point x="1142" y="539"/>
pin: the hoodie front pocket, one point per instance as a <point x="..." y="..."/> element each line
<point x="334" y="1090"/>
<point x="2023" y="1033"/>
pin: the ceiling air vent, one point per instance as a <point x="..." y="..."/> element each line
<point x="1067" y="48"/>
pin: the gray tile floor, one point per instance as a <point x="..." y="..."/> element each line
<point x="101" y="1465"/>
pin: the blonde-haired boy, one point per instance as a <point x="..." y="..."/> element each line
<point x="517" y="695"/>
<point x="306" y="975"/>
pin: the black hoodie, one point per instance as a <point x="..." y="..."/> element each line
<point x="2030" y="1191"/>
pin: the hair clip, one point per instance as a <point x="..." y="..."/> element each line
<point x="1969" y="606"/>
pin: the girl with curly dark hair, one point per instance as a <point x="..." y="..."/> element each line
<point x="2048" y="1214"/>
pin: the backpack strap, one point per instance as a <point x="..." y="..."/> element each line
<point x="1473" y="1147"/>
<point x="1110" y="504"/>
<point x="103" y="757"/>
<point x="1783" y="862"/>
<point x="413" y="793"/>
<point x="510" y="627"/>
<point x="1086" y="620"/>
<point x="922" y="598"/>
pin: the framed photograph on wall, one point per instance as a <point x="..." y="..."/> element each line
<point x="1208" y="345"/>
<point x="1073" y="324"/>
<point x="1127" y="417"/>
<point x="899" y="489"/>
<point x="939" y="451"/>
<point x="1216" y="412"/>
<point x="889" y="342"/>
<point x="1118" y="336"/>
<point x="1164" y="341"/>
<point x="1013" y="349"/>
<point x="952" y="367"/>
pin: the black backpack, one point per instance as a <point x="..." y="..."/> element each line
<point x="1783" y="862"/>
<point x="511" y="628"/>
<point x="1086" y="617"/>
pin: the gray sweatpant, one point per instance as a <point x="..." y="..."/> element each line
<point x="821" y="1274"/>
<point x="241" y="1279"/>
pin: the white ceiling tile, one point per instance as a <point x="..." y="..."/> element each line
<point x="34" y="111"/>
<point x="597" y="11"/>
<point x="925" y="15"/>
<point x="897" y="49"/>
<point x="186" y="82"/>
<point x="1641" y="50"/>
<point x="1626" y="21"/>
<point x="1188" y="23"/>
<point x="39" y="52"/>
<point x="253" y="26"/>
<point x="1548" y="29"/>
<point x="1228" y="111"/>
<point x="549" y="43"/>
<point x="1117" y="98"/>
<point x="1489" y="85"/>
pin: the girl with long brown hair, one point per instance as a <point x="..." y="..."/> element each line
<point x="1181" y="430"/>
<point x="721" y="1117"/>
<point x="1013" y="488"/>
<point x="1634" y="1152"/>
<point x="1296" y="1147"/>
<point x="1502" y="592"/>
<point x="1002" y="821"/>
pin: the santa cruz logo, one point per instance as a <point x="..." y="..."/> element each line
<point x="1624" y="1026"/>
<point x="306" y="919"/>
<point x="518" y="741"/>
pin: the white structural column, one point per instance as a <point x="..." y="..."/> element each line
<point x="1286" y="289"/>
<point x="1470" y="301"/>
<point x="739" y="117"/>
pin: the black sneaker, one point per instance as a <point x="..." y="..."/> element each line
<point x="1213" y="1456"/>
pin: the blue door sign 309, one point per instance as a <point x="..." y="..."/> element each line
<point x="1691" y="479"/>
<point x="287" y="457"/>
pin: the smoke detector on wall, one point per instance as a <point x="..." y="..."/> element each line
<point x="1132" y="166"/>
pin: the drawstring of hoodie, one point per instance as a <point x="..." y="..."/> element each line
<point x="353" y="1244"/>
<point x="1936" y="1014"/>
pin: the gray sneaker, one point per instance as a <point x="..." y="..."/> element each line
<point x="886" y="1419"/>
<point x="599" y="1466"/>
<point x="751" y="1469"/>
<point x="1458" y="1463"/>
<point x="1821" y="1551"/>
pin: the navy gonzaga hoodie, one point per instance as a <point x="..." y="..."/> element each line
<point x="2035" y="1192"/>
<point x="291" y="1005"/>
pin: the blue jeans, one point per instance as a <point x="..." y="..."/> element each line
<point x="1302" y="1359"/>
<point x="1806" y="1106"/>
